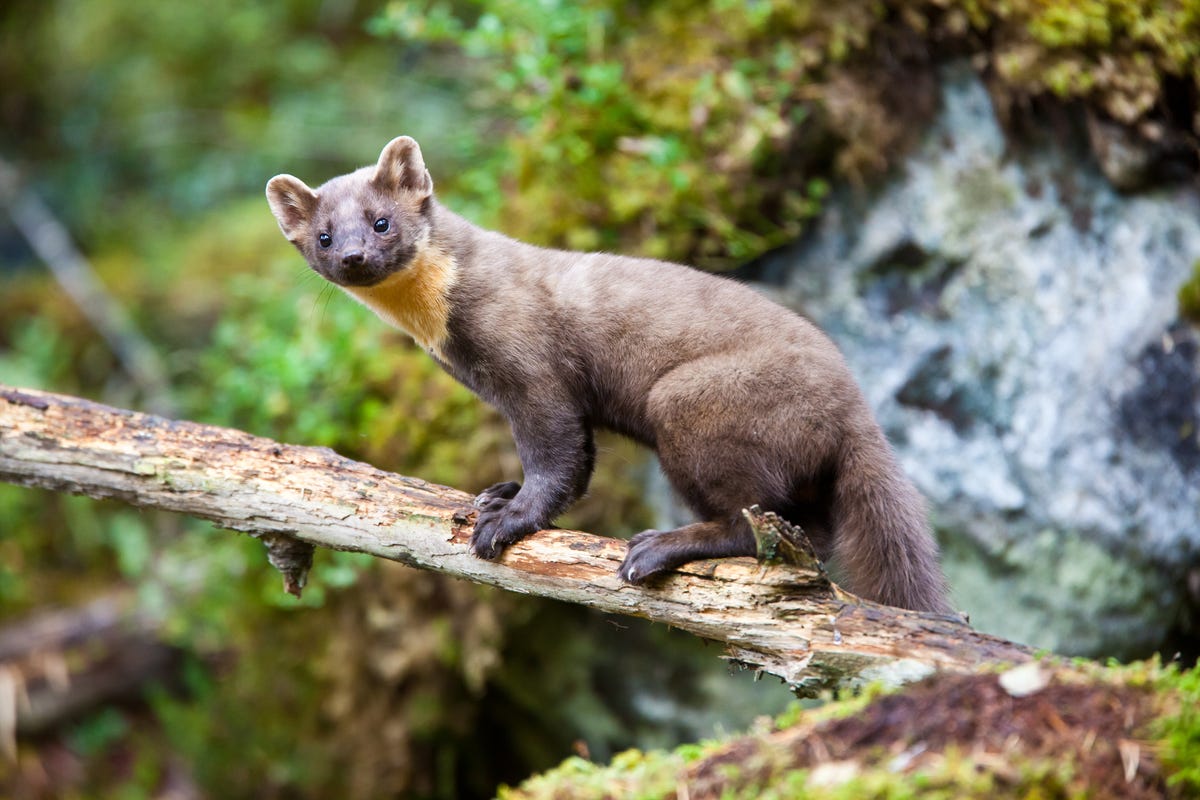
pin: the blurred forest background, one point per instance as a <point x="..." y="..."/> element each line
<point x="713" y="133"/>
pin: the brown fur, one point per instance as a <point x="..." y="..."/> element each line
<point x="744" y="401"/>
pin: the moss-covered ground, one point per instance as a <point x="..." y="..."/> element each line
<point x="1043" y="731"/>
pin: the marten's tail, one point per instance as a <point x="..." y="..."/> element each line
<point x="882" y="540"/>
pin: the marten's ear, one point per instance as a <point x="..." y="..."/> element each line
<point x="292" y="203"/>
<point x="401" y="169"/>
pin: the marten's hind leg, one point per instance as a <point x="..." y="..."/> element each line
<point x="653" y="552"/>
<point x="731" y="431"/>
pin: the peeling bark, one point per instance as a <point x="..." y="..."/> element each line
<point x="782" y="619"/>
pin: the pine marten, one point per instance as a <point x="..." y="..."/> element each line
<point x="744" y="401"/>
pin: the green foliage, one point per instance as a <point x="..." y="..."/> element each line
<point x="98" y="732"/>
<point x="669" y="129"/>
<point x="39" y="356"/>
<point x="708" y="132"/>
<point x="130" y="112"/>
<point x="238" y="742"/>
<point x="1189" y="296"/>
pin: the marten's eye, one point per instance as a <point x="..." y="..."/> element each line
<point x="325" y="239"/>
<point x="381" y="225"/>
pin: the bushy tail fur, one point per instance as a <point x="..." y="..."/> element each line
<point x="883" y="544"/>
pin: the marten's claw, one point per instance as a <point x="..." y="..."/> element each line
<point x="496" y="496"/>
<point x="643" y="560"/>
<point x="496" y="530"/>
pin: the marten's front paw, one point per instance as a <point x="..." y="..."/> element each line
<point x="496" y="496"/>
<point x="644" y="559"/>
<point x="496" y="530"/>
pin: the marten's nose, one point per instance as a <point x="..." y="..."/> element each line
<point x="353" y="259"/>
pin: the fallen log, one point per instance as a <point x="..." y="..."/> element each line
<point x="780" y="618"/>
<point x="56" y="666"/>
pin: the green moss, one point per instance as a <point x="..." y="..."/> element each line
<point x="632" y="774"/>
<point x="757" y="766"/>
<point x="1189" y="296"/>
<point x="1178" y="729"/>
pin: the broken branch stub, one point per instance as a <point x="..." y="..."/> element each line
<point x="292" y="557"/>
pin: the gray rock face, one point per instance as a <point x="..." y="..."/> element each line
<point x="1013" y="320"/>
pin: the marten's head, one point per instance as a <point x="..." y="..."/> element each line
<point x="358" y="229"/>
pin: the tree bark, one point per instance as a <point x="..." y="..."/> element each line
<point x="782" y="619"/>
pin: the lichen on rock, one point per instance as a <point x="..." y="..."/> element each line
<point x="1042" y="391"/>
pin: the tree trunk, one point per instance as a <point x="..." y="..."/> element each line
<point x="782" y="619"/>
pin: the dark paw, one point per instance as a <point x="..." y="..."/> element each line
<point x="645" y="558"/>
<point x="496" y="530"/>
<point x="496" y="496"/>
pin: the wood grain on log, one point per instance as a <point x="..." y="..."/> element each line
<point x="780" y="619"/>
